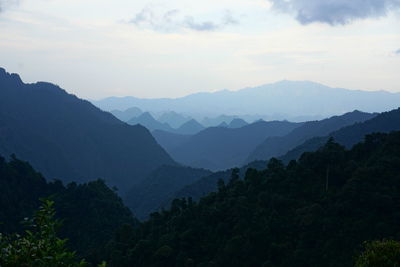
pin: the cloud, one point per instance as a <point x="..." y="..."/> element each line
<point x="172" y="21"/>
<point x="6" y="3"/>
<point x="335" y="12"/>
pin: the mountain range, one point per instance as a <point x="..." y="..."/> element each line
<point x="278" y="146"/>
<point x="70" y="139"/>
<point x="289" y="100"/>
<point x="218" y="148"/>
<point x="348" y="136"/>
<point x="147" y="120"/>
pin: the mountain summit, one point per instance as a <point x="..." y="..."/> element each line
<point x="67" y="138"/>
<point x="281" y="100"/>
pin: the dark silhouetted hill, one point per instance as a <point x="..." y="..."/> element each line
<point x="220" y="148"/>
<point x="317" y="211"/>
<point x="90" y="212"/>
<point x="67" y="138"/>
<point x="350" y="135"/>
<point x="278" y="146"/>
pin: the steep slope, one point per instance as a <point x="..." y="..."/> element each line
<point x="350" y="135"/>
<point x="67" y="138"/>
<point x="278" y="146"/>
<point x="168" y="140"/>
<point x="159" y="187"/>
<point x="149" y="122"/>
<point x="281" y="100"/>
<point x="220" y="148"/>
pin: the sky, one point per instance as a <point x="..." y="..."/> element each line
<point x="172" y="48"/>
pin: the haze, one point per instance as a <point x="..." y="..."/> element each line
<point x="100" y="48"/>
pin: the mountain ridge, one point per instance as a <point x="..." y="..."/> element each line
<point x="68" y="138"/>
<point x="280" y="100"/>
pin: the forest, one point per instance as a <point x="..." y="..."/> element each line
<point x="316" y="211"/>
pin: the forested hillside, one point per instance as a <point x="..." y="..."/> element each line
<point x="350" y="135"/>
<point x="90" y="212"/>
<point x="278" y="146"/>
<point x="67" y="138"/>
<point x="316" y="211"/>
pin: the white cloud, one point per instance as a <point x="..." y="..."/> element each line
<point x="173" y="20"/>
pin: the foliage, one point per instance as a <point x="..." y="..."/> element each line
<point x="384" y="253"/>
<point x="90" y="212"/>
<point x="312" y="212"/>
<point x="40" y="245"/>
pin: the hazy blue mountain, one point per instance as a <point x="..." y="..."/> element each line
<point x="237" y="123"/>
<point x="223" y="120"/>
<point x="150" y="123"/>
<point x="218" y="148"/>
<point x="190" y="127"/>
<point x="278" y="146"/>
<point x="68" y="138"/>
<point x="175" y="120"/>
<point x="285" y="99"/>
<point x="223" y="125"/>
<point x="159" y="188"/>
<point x="350" y="135"/>
<point x="127" y="114"/>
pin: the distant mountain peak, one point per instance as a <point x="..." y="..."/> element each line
<point x="68" y="138"/>
<point x="237" y="123"/>
<point x="190" y="127"/>
<point x="10" y="76"/>
<point x="146" y="115"/>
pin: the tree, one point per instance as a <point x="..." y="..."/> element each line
<point x="384" y="253"/>
<point x="39" y="246"/>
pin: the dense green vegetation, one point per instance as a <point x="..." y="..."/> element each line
<point x="90" y="212"/>
<point x="316" y="211"/>
<point x="39" y="246"/>
<point x="384" y="253"/>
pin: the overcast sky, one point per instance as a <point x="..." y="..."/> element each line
<point x="100" y="48"/>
